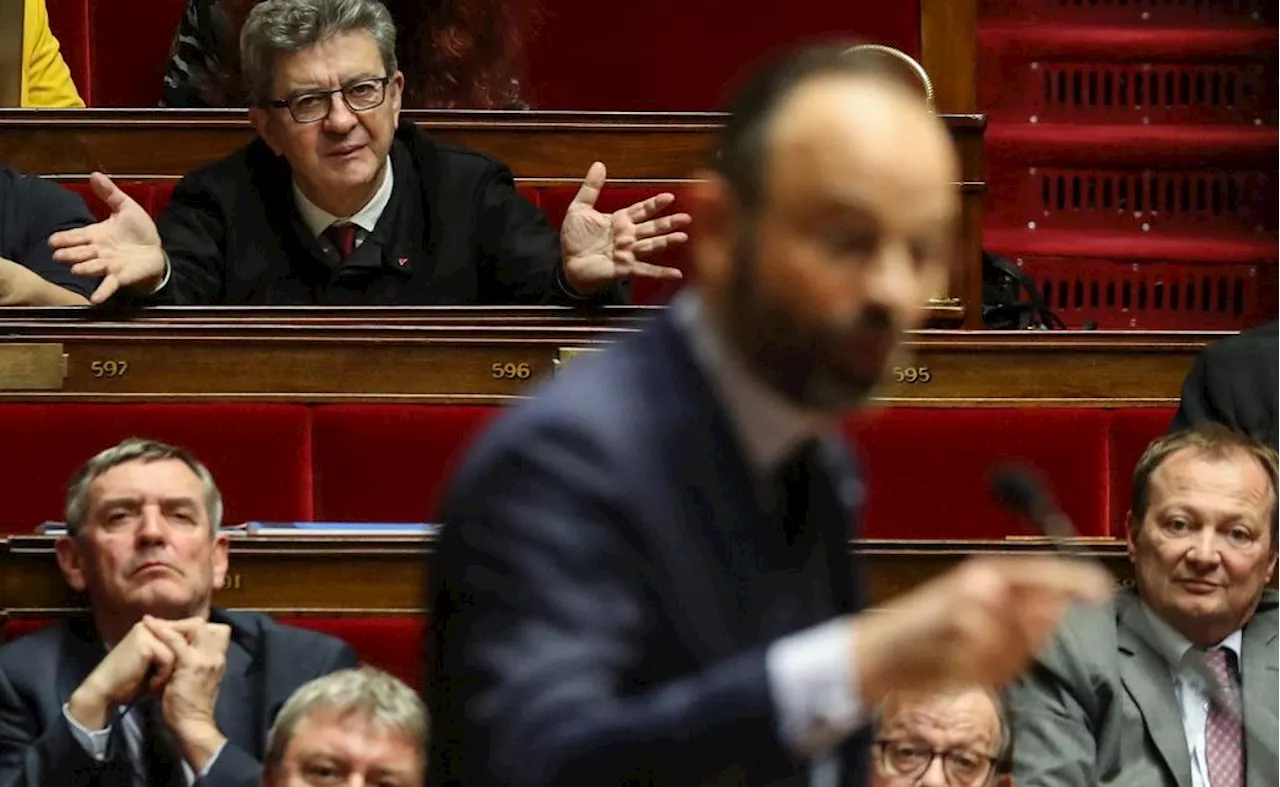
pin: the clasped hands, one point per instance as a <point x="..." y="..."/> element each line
<point x="597" y="249"/>
<point x="180" y="661"/>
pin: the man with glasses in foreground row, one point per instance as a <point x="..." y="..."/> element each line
<point x="338" y="204"/>
<point x="940" y="739"/>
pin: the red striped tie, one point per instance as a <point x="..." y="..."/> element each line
<point x="343" y="237"/>
<point x="1223" y="735"/>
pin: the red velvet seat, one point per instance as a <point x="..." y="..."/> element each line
<point x="1132" y="430"/>
<point x="260" y="454"/>
<point x="926" y="469"/>
<point x="388" y="463"/>
<point x="117" y="51"/>
<point x="142" y="191"/>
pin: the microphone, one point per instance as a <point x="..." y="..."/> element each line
<point x="1022" y="491"/>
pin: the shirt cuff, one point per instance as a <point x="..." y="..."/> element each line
<point x="94" y="742"/>
<point x="563" y="283"/>
<point x="167" y="269"/>
<point x="811" y="682"/>
<point x="190" y="774"/>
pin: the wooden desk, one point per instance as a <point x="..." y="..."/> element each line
<point x="386" y="576"/>
<point x="540" y="147"/>
<point x="460" y="355"/>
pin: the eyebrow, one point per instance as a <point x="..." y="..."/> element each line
<point x="315" y="88"/>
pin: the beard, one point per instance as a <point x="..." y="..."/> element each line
<point x="802" y="358"/>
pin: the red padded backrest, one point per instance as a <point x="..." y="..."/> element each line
<point x="678" y="55"/>
<point x="926" y="469"/>
<point x="142" y="192"/>
<point x="389" y="463"/>
<point x="555" y="202"/>
<point x="69" y="22"/>
<point x="21" y="627"/>
<point x="1132" y="430"/>
<point x="395" y="644"/>
<point x="260" y="454"/>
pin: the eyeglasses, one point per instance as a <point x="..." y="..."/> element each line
<point x="359" y="96"/>
<point x="962" y="767"/>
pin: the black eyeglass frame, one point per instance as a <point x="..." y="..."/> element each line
<point x="993" y="762"/>
<point x="287" y="103"/>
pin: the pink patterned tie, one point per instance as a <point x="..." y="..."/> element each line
<point x="1223" y="735"/>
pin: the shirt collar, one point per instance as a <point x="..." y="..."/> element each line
<point x="770" y="425"/>
<point x="1173" y="647"/>
<point x="318" y="219"/>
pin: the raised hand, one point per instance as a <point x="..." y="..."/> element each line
<point x="601" y="248"/>
<point x="123" y="250"/>
<point x="139" y="664"/>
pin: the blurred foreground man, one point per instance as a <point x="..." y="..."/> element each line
<point x="1114" y="701"/>
<point x="353" y="727"/>
<point x="950" y="738"/>
<point x="338" y="203"/>
<point x="153" y="687"/>
<point x="644" y="576"/>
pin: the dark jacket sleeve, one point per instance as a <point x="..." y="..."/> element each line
<point x="30" y="757"/>
<point x="193" y="230"/>
<point x="540" y="610"/>
<point x="521" y="249"/>
<point x="1197" y="403"/>
<point x="48" y="208"/>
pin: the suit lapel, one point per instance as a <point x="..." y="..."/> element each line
<point x="1147" y="678"/>
<point x="836" y="495"/>
<point x="1259" y="686"/>
<point x="83" y="651"/>
<point x="236" y="712"/>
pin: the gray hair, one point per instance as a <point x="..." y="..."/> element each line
<point x="281" y="27"/>
<point x="384" y="699"/>
<point x="135" y="449"/>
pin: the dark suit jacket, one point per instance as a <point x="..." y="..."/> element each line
<point x="603" y="546"/>
<point x="32" y="209"/>
<point x="1098" y="707"/>
<point x="266" y="662"/>
<point x="456" y="232"/>
<point x="1234" y="382"/>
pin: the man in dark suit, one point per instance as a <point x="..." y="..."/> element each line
<point x="643" y="576"/>
<point x="1234" y="382"/>
<point x="1115" y="699"/>
<point x="152" y="686"/>
<point x="337" y="204"/>
<point x="32" y="209"/>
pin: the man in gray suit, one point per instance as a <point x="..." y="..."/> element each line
<point x="1114" y="700"/>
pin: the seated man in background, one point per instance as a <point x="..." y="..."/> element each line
<point x="360" y="723"/>
<point x="1115" y="700"/>
<point x="335" y="204"/>
<point x="1234" y="382"/>
<point x="45" y="80"/>
<point x="940" y="739"/>
<point x="153" y="686"/>
<point x="32" y="209"/>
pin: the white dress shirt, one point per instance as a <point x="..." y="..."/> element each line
<point x="810" y="672"/>
<point x="1188" y="688"/>
<point x="318" y="219"/>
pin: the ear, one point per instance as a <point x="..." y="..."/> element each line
<point x="221" y="543"/>
<point x="261" y="120"/>
<point x="711" y="204"/>
<point x="67" y="548"/>
<point x="395" y="90"/>
<point x="1132" y="527"/>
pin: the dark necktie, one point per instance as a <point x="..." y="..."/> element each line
<point x="792" y="490"/>
<point x="1223" y="735"/>
<point x="159" y="758"/>
<point x="343" y="237"/>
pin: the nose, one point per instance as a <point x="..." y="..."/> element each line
<point x="1204" y="552"/>
<point x="340" y="118"/>
<point x="152" y="526"/>
<point x="894" y="282"/>
<point x="934" y="776"/>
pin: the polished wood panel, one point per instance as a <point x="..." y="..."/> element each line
<point x="449" y="355"/>
<point x="387" y="575"/>
<point x="949" y="52"/>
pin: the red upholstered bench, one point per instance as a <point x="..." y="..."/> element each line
<point x="926" y="469"/>
<point x="260" y="454"/>
<point x="1132" y="430"/>
<point x="388" y="463"/>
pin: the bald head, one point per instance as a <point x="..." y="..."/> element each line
<point x="829" y="222"/>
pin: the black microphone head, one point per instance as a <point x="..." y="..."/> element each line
<point x="1022" y="491"/>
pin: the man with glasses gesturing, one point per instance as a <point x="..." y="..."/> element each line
<point x="940" y="739"/>
<point x="337" y="203"/>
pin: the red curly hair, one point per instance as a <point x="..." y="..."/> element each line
<point x="464" y="54"/>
